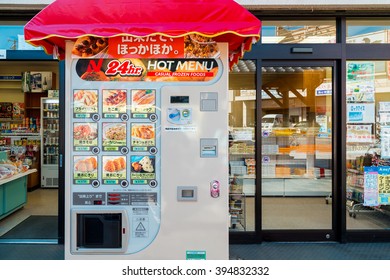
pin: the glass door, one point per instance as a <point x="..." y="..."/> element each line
<point x="296" y="151"/>
<point x="242" y="144"/>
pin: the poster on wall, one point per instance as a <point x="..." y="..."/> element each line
<point x="385" y="142"/>
<point x="371" y="186"/>
<point x="384" y="184"/>
<point x="360" y="71"/>
<point x="360" y="91"/>
<point x="384" y="106"/>
<point x="360" y="113"/>
<point x="360" y="133"/>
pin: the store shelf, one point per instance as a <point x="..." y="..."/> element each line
<point x="17" y="176"/>
<point x="243" y="176"/>
<point x="20" y="134"/>
<point x="242" y="154"/>
<point x="10" y="120"/>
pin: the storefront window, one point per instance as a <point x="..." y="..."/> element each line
<point x="242" y="121"/>
<point x="12" y="38"/>
<point x="368" y="145"/>
<point x="303" y="32"/>
<point x="368" y="31"/>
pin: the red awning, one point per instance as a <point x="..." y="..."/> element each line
<point x="223" y="20"/>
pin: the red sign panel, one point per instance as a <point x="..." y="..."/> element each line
<point x="146" y="47"/>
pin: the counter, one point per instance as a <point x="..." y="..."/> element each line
<point x="13" y="193"/>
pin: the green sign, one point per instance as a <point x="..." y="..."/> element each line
<point x="195" y="255"/>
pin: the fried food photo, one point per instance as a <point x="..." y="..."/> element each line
<point x="114" y="97"/>
<point x="86" y="165"/>
<point x="94" y="76"/>
<point x="143" y="131"/>
<point x="88" y="46"/>
<point x="144" y="97"/>
<point x="197" y="46"/>
<point x="86" y="97"/>
<point x="115" y="165"/>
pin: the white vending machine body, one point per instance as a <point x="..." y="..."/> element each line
<point x="146" y="171"/>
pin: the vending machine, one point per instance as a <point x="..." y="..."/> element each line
<point x="146" y="166"/>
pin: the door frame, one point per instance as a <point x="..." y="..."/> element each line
<point x="326" y="55"/>
<point x="304" y="235"/>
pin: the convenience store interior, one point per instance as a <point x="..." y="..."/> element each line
<point x="31" y="136"/>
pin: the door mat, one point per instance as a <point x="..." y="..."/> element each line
<point x="34" y="227"/>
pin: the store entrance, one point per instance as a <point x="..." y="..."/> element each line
<point x="296" y="152"/>
<point x="30" y="141"/>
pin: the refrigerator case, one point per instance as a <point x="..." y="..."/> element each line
<point x="50" y="141"/>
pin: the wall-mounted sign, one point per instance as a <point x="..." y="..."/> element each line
<point x="360" y="112"/>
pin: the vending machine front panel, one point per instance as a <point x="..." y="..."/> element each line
<point x="145" y="140"/>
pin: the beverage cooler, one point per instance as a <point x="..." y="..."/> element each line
<point x="50" y="140"/>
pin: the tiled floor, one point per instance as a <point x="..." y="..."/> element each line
<point x="263" y="251"/>
<point x="39" y="202"/>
